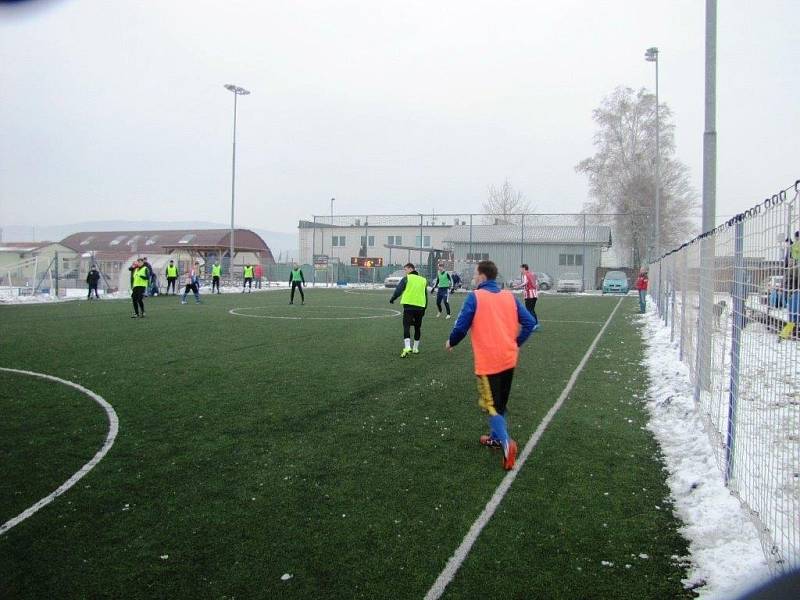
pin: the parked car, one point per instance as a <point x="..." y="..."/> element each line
<point x="615" y="282"/>
<point x="466" y="281"/>
<point x="570" y="282"/>
<point x="394" y="278"/>
<point x="545" y="281"/>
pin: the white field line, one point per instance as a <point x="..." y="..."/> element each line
<point x="392" y="313"/>
<point x="584" y="322"/>
<point x="460" y="555"/>
<point x="113" y="428"/>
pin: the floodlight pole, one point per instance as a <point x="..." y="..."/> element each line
<point x="652" y="56"/>
<point x="237" y="91"/>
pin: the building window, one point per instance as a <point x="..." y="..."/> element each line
<point x="151" y="241"/>
<point x="337" y="240"/>
<point x="187" y="238"/>
<point x="133" y="240"/>
<point x="570" y="260"/>
<point x="87" y="241"/>
<point x="423" y="241"/>
<point x="395" y="240"/>
<point x="371" y="240"/>
<point x="117" y="240"/>
<point x="477" y="256"/>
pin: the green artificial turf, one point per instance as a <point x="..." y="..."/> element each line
<point x="252" y="448"/>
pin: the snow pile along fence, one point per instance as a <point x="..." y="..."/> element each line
<point x="731" y="301"/>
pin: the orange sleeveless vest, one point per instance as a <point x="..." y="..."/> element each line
<point x="495" y="327"/>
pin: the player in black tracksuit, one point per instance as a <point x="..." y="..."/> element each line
<point x="93" y="278"/>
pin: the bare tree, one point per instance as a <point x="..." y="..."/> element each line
<point x="622" y="172"/>
<point x="506" y="203"/>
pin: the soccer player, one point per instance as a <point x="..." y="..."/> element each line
<point x="531" y="287"/>
<point x="500" y="325"/>
<point x="216" y="271"/>
<point x="172" y="276"/>
<point x="297" y="280"/>
<point x="92" y="278"/>
<point x="413" y="293"/>
<point x="140" y="279"/>
<point x="248" y="278"/>
<point x="192" y="284"/>
<point x="443" y="282"/>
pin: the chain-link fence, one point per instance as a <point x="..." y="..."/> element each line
<point x="367" y="248"/>
<point x="731" y="299"/>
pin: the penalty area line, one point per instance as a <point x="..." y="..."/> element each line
<point x="113" y="428"/>
<point x="460" y="555"/>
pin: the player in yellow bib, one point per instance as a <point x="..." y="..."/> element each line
<point x="413" y="293"/>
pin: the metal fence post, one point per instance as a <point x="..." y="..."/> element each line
<point x="421" y="239"/>
<point x="56" y="271"/>
<point x="672" y="301"/>
<point x="522" y="240"/>
<point x="684" y="285"/>
<point x="470" y="255"/>
<point x="737" y="325"/>
<point x="313" y="252"/>
<point x="583" y="258"/>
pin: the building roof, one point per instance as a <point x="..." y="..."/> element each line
<point x="537" y="234"/>
<point x="23" y="246"/>
<point x="123" y="244"/>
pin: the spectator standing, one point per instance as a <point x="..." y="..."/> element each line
<point x="92" y="279"/>
<point x="641" y="285"/>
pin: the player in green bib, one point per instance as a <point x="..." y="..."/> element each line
<point x="443" y="282"/>
<point x="216" y="271"/>
<point x="172" y="276"/>
<point x="413" y="293"/>
<point x="297" y="281"/>
<point x="248" y="278"/>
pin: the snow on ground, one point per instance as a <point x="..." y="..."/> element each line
<point x="725" y="549"/>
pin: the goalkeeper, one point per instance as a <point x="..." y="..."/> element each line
<point x="500" y="325"/>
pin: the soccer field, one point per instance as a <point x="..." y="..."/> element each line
<point x="288" y="452"/>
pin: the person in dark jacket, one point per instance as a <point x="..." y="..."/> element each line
<point x="152" y="282"/>
<point x="92" y="279"/>
<point x="413" y="293"/>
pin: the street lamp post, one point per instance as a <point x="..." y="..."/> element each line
<point x="651" y="55"/>
<point x="332" y="231"/>
<point x="237" y="91"/>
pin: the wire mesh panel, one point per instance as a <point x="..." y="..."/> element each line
<point x="732" y="298"/>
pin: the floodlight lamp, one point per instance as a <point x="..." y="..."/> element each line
<point x="240" y="91"/>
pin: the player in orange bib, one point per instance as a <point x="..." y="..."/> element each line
<point x="500" y="325"/>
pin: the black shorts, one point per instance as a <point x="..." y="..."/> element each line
<point x="493" y="391"/>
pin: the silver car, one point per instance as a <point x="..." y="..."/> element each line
<point x="392" y="280"/>
<point x="570" y="282"/>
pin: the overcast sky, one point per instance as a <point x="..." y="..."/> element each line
<point x="116" y="110"/>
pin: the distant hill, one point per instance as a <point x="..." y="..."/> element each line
<point x="279" y="242"/>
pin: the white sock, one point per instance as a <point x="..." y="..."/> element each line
<point x="416" y="344"/>
<point x="407" y="343"/>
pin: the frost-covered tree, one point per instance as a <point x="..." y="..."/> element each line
<point x="622" y="174"/>
<point x="505" y="202"/>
